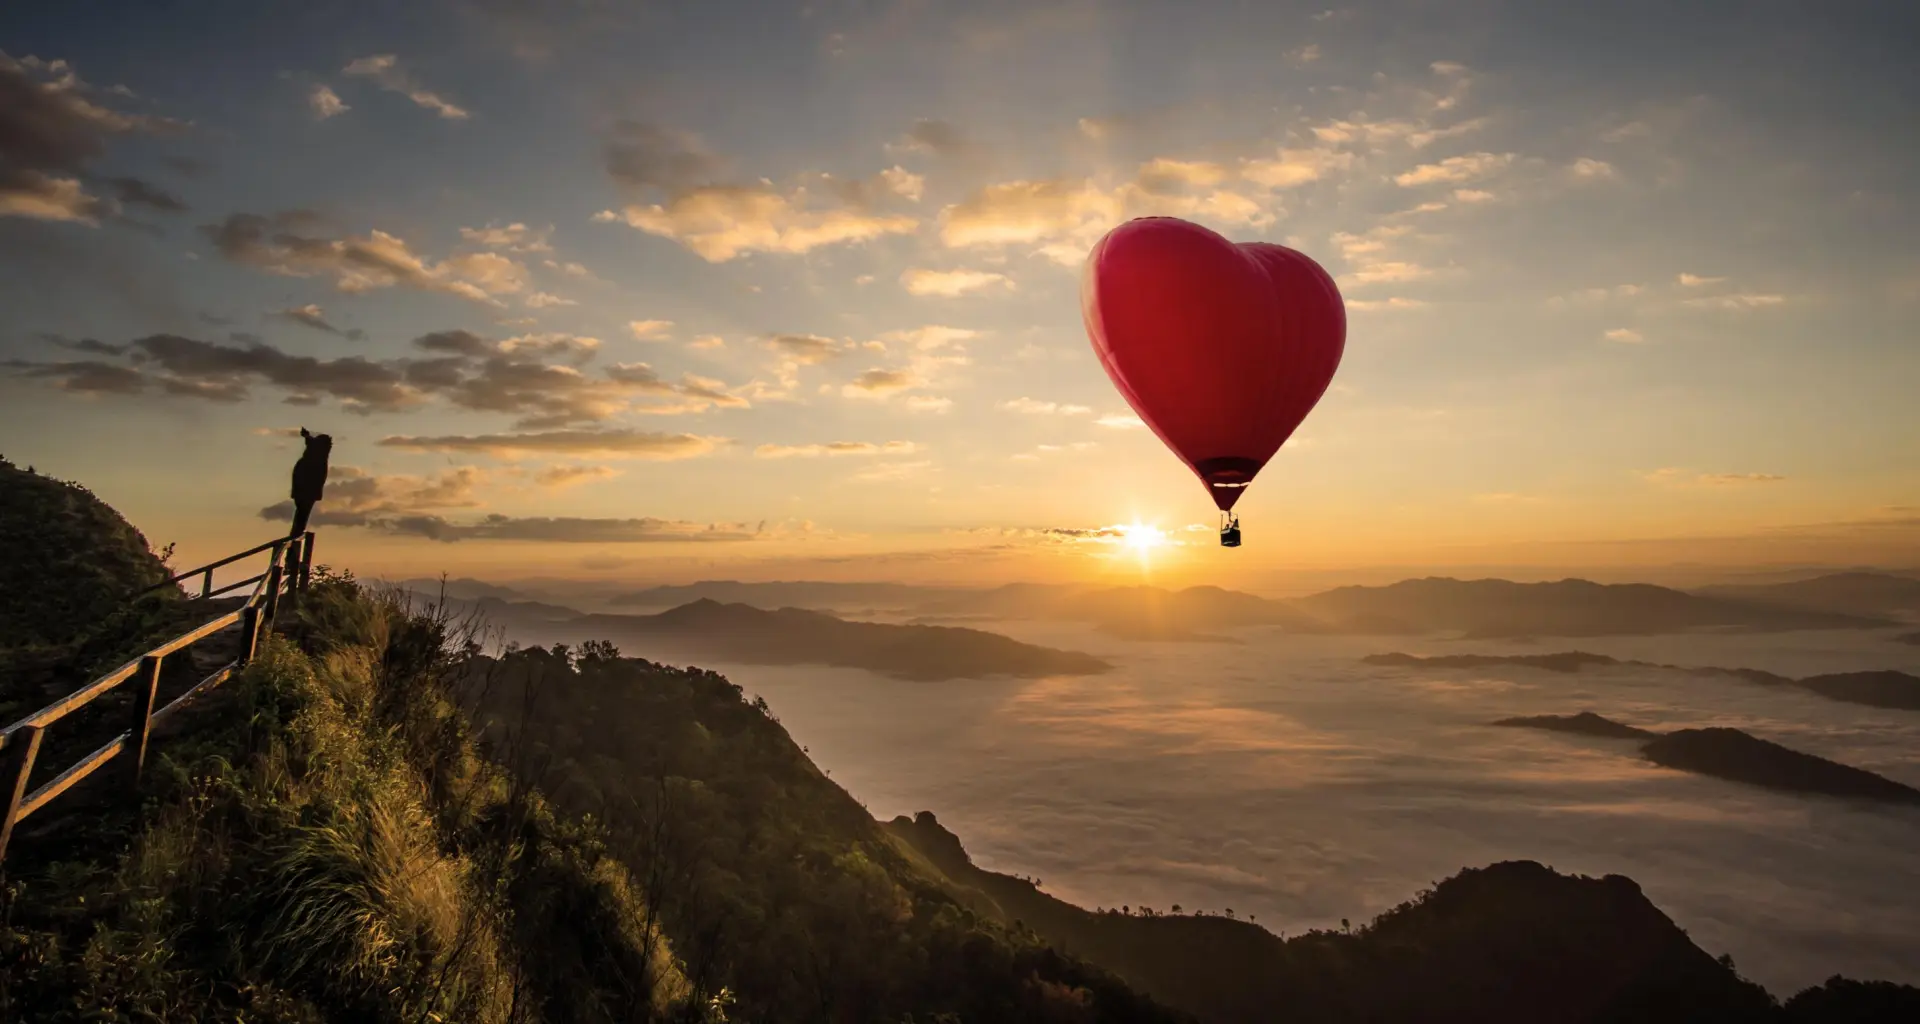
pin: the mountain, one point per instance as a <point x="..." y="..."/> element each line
<point x="322" y="841"/>
<point x="772" y="884"/>
<point x="1886" y="688"/>
<point x="1512" y="941"/>
<point x="70" y="566"/>
<point x="1504" y="609"/>
<point x="793" y="636"/>
<point x="1737" y="756"/>
<point x="459" y="588"/>
<point x="1566" y="661"/>
<point x="1870" y="594"/>
<point x="1586" y="723"/>
<point x="1883" y="689"/>
<point x="1130" y="613"/>
<point x="798" y="594"/>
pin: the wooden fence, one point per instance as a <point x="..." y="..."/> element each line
<point x="289" y="568"/>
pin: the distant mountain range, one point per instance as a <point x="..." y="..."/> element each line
<point x="1474" y="608"/>
<point x="900" y="597"/>
<point x="1872" y="594"/>
<point x="1885" y="688"/>
<point x="1489" y="609"/>
<point x="708" y="629"/>
<point x="1735" y="756"/>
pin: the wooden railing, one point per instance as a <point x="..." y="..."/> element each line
<point x="289" y="568"/>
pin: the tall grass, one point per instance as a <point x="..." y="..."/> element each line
<point x="327" y="845"/>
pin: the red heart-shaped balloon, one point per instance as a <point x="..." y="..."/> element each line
<point x="1222" y="348"/>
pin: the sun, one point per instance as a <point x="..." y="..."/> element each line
<point x="1143" y="538"/>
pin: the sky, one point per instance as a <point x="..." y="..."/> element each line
<point x="673" y="290"/>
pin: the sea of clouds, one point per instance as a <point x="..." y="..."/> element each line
<point x="1284" y="779"/>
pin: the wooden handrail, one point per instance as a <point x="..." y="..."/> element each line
<point x="210" y="566"/>
<point x="289" y="569"/>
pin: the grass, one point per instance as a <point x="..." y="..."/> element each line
<point x="326" y="844"/>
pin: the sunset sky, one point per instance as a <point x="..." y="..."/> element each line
<point x="674" y="290"/>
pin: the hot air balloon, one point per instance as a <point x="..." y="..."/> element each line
<point x="1221" y="348"/>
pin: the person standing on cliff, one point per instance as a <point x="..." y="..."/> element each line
<point x="309" y="478"/>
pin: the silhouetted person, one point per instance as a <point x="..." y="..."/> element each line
<point x="309" y="478"/>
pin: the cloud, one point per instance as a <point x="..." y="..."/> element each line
<point x="515" y="237"/>
<point x="806" y="349"/>
<point x="880" y="383"/>
<point x="928" y="403"/>
<point x="84" y="377"/>
<point x="566" y="476"/>
<point x="1295" y="167"/>
<point x="808" y="451"/>
<point x="1034" y="407"/>
<point x="1743" y="301"/>
<point x="1473" y="195"/>
<point x="192" y="368"/>
<point x="1121" y="421"/>
<point x="324" y="102"/>
<point x="356" y="497"/>
<point x="517" y="376"/>
<point x="1388" y="272"/>
<point x="134" y="191"/>
<point x="1589" y="169"/>
<point x="51" y="130"/>
<point x="674" y="192"/>
<point x="1455" y="169"/>
<point x="384" y="70"/>
<point x="312" y="316"/>
<point x="570" y="269"/>
<point x="1696" y="281"/>
<point x="1014" y="212"/>
<point x="708" y="341"/>
<point x="929" y="338"/>
<point x="1587" y="296"/>
<point x="951" y="283"/>
<point x="1395" y="304"/>
<point x="1062" y="217"/>
<point x="935" y="138"/>
<point x="615" y="444"/>
<point x="569" y="530"/>
<point x="543" y="300"/>
<point x="285" y="243"/>
<point x="723" y="222"/>
<point x="1624" y="335"/>
<point x="649" y="330"/>
<point x="1042" y="450"/>
<point x="1674" y="475"/>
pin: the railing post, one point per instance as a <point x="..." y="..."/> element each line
<point x="306" y="561"/>
<point x="23" y="748"/>
<point x="206" y="584"/>
<point x="249" y="633"/>
<point x="148" y="681"/>
<point x="295" y="552"/>
<point x="272" y="591"/>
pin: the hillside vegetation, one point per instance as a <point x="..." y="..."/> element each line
<point x="69" y="565"/>
<point x="327" y="845"/>
<point x="770" y="880"/>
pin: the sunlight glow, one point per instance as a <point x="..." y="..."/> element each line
<point x="1142" y="538"/>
